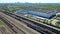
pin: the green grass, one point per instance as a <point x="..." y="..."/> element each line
<point x="1" y="23"/>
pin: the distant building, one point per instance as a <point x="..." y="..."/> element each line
<point x="41" y="13"/>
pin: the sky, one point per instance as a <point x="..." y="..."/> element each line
<point x="30" y="1"/>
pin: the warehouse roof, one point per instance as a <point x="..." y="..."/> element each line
<point x="42" y="13"/>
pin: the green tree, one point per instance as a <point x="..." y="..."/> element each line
<point x="58" y="23"/>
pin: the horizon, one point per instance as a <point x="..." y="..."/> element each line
<point x="30" y="1"/>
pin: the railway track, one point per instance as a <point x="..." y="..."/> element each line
<point x="10" y="26"/>
<point x="1" y="32"/>
<point x="18" y="24"/>
<point x="48" y="29"/>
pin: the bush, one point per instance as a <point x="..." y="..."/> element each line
<point x="58" y="23"/>
<point x="58" y="15"/>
